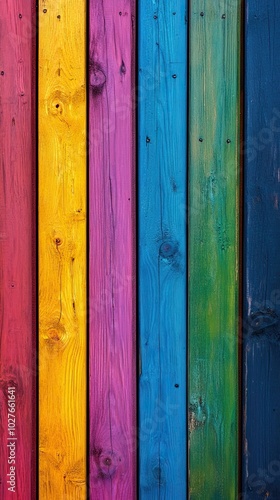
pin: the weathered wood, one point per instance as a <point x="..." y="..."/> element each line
<point x="213" y="248"/>
<point x="112" y="365"/>
<point x="261" y="461"/>
<point x="17" y="249"/>
<point x="62" y="249"/>
<point x="162" y="248"/>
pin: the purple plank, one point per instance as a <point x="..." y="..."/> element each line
<point x="112" y="384"/>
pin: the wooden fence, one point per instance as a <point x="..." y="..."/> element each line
<point x="139" y="249"/>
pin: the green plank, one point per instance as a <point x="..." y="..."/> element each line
<point x="214" y="121"/>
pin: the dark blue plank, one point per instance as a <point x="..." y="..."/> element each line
<point x="162" y="249"/>
<point x="261" y="347"/>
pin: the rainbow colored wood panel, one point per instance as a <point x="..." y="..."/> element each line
<point x="139" y="266"/>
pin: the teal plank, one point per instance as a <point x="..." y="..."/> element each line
<point x="162" y="248"/>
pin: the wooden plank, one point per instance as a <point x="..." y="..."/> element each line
<point x="213" y="248"/>
<point x="17" y="250"/>
<point x="162" y="248"/>
<point x="111" y="250"/>
<point x="62" y="249"/>
<point x="261" y="348"/>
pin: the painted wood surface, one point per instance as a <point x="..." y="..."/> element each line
<point x="213" y="248"/>
<point x="162" y="207"/>
<point x="261" y="465"/>
<point x="17" y="249"/>
<point x="62" y="250"/>
<point x="112" y="365"/>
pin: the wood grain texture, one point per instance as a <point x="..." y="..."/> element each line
<point x="261" y="464"/>
<point x="17" y="244"/>
<point x="62" y="249"/>
<point x="213" y="248"/>
<point x="112" y="363"/>
<point x="162" y="45"/>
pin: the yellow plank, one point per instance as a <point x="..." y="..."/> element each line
<point x="62" y="250"/>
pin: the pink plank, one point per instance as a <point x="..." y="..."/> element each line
<point x="17" y="249"/>
<point x="112" y="365"/>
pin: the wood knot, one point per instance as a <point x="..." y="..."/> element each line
<point x="97" y="79"/>
<point x="107" y="462"/>
<point x="263" y="319"/>
<point x="158" y="474"/>
<point x="168" y="249"/>
<point x="58" y="101"/>
<point x="55" y="335"/>
<point x="57" y="107"/>
<point x="157" y="470"/>
<point x="8" y="383"/>
<point x="123" y="68"/>
<point x="197" y="414"/>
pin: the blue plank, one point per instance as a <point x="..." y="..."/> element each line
<point x="162" y="248"/>
<point x="261" y="346"/>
